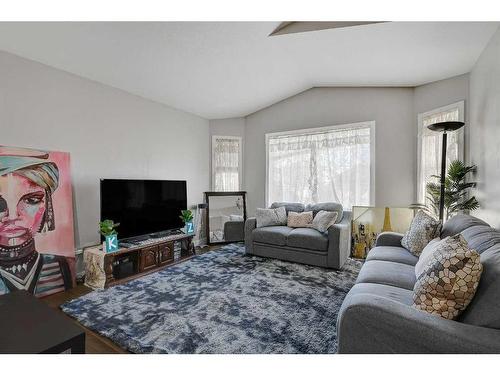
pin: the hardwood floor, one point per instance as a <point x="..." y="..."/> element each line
<point x="95" y="343"/>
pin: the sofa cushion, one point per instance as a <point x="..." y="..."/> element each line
<point x="308" y="238"/>
<point x="327" y="206"/>
<point x="449" y="280"/>
<point x="324" y="220"/>
<point x="392" y="254"/>
<point x="423" y="229"/>
<point x="300" y="219"/>
<point x="276" y="235"/>
<point x="481" y="237"/>
<point x="387" y="273"/>
<point x="458" y="223"/>
<point x="294" y="207"/>
<point x="484" y="309"/>
<point x="267" y="217"/>
<point x="390" y="292"/>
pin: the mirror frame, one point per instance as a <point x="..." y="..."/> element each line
<point x="209" y="194"/>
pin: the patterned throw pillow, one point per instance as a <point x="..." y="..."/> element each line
<point x="324" y="220"/>
<point x="449" y="280"/>
<point x="270" y="216"/>
<point x="426" y="255"/>
<point x="423" y="229"/>
<point x="300" y="219"/>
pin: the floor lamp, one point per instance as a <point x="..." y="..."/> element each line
<point x="444" y="127"/>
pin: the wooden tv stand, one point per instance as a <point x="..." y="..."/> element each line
<point x="148" y="258"/>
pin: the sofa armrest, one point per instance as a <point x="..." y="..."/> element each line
<point x="374" y="324"/>
<point x="389" y="239"/>
<point x="250" y="225"/>
<point x="339" y="242"/>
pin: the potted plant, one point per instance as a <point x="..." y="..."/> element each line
<point x="456" y="190"/>
<point x="107" y="230"/>
<point x="187" y="218"/>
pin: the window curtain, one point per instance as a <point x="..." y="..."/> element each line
<point x="430" y="152"/>
<point x="226" y="164"/>
<point x="318" y="167"/>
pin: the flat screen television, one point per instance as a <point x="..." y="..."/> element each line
<point x="143" y="206"/>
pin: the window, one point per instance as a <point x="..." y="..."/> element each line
<point x="429" y="145"/>
<point x="226" y="163"/>
<point x="322" y="165"/>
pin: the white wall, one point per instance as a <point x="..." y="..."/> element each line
<point x="395" y="152"/>
<point x="485" y="130"/>
<point x="108" y="132"/>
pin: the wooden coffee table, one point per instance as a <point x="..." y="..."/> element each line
<point x="28" y="325"/>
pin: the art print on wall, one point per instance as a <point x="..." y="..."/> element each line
<point x="37" y="251"/>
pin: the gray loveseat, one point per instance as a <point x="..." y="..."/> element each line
<point x="377" y="317"/>
<point x="302" y="245"/>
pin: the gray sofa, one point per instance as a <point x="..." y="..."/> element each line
<point x="302" y="245"/>
<point x="377" y="317"/>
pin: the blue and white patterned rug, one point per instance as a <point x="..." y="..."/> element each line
<point x="222" y="302"/>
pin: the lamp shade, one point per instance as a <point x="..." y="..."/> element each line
<point x="446" y="126"/>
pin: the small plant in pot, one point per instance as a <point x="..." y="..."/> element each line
<point x="187" y="218"/>
<point x="108" y="231"/>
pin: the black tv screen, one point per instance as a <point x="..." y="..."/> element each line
<point x="143" y="206"/>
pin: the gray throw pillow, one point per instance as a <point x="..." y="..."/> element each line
<point x="425" y="256"/>
<point x="270" y="216"/>
<point x="324" y="220"/>
<point x="423" y="229"/>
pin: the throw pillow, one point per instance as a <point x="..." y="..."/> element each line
<point x="449" y="280"/>
<point x="270" y="216"/>
<point x="324" y="220"/>
<point x="300" y="219"/>
<point x="423" y="229"/>
<point x="426" y="255"/>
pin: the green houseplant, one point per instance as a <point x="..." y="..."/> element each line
<point x="456" y="193"/>
<point x="108" y="231"/>
<point x="187" y="218"/>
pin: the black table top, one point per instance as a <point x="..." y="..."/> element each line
<point x="29" y="325"/>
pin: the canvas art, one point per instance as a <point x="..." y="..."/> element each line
<point x="369" y="222"/>
<point x="37" y="251"/>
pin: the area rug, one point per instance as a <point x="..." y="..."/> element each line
<point x="222" y="302"/>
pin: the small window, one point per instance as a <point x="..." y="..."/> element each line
<point x="226" y="163"/>
<point x="429" y="145"/>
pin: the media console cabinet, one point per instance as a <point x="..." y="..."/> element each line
<point x="103" y="270"/>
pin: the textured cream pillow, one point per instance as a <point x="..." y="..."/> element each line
<point x="300" y="219"/>
<point x="423" y="229"/>
<point x="324" y="220"/>
<point x="449" y="280"/>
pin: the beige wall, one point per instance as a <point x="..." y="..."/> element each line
<point x="108" y="132"/>
<point x="485" y="130"/>
<point x="395" y="146"/>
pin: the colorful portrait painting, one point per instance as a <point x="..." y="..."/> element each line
<point x="37" y="251"/>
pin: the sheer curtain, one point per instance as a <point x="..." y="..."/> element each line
<point x="430" y="148"/>
<point x="323" y="166"/>
<point x="226" y="161"/>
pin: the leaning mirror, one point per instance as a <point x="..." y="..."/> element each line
<point x="226" y="213"/>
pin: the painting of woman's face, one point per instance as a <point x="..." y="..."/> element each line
<point x="22" y="209"/>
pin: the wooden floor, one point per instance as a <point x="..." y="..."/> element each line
<point x="94" y="343"/>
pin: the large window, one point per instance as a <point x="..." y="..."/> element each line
<point x="226" y="163"/>
<point x="322" y="165"/>
<point x="429" y="145"/>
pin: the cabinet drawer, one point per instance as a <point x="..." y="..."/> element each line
<point x="165" y="253"/>
<point x="149" y="257"/>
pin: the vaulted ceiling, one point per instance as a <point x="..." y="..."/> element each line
<point x="231" y="69"/>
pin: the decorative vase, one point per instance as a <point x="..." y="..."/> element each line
<point x="111" y="243"/>
<point x="189" y="227"/>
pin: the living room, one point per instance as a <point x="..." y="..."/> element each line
<point x="213" y="185"/>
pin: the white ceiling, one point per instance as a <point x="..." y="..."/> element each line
<point x="231" y="69"/>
